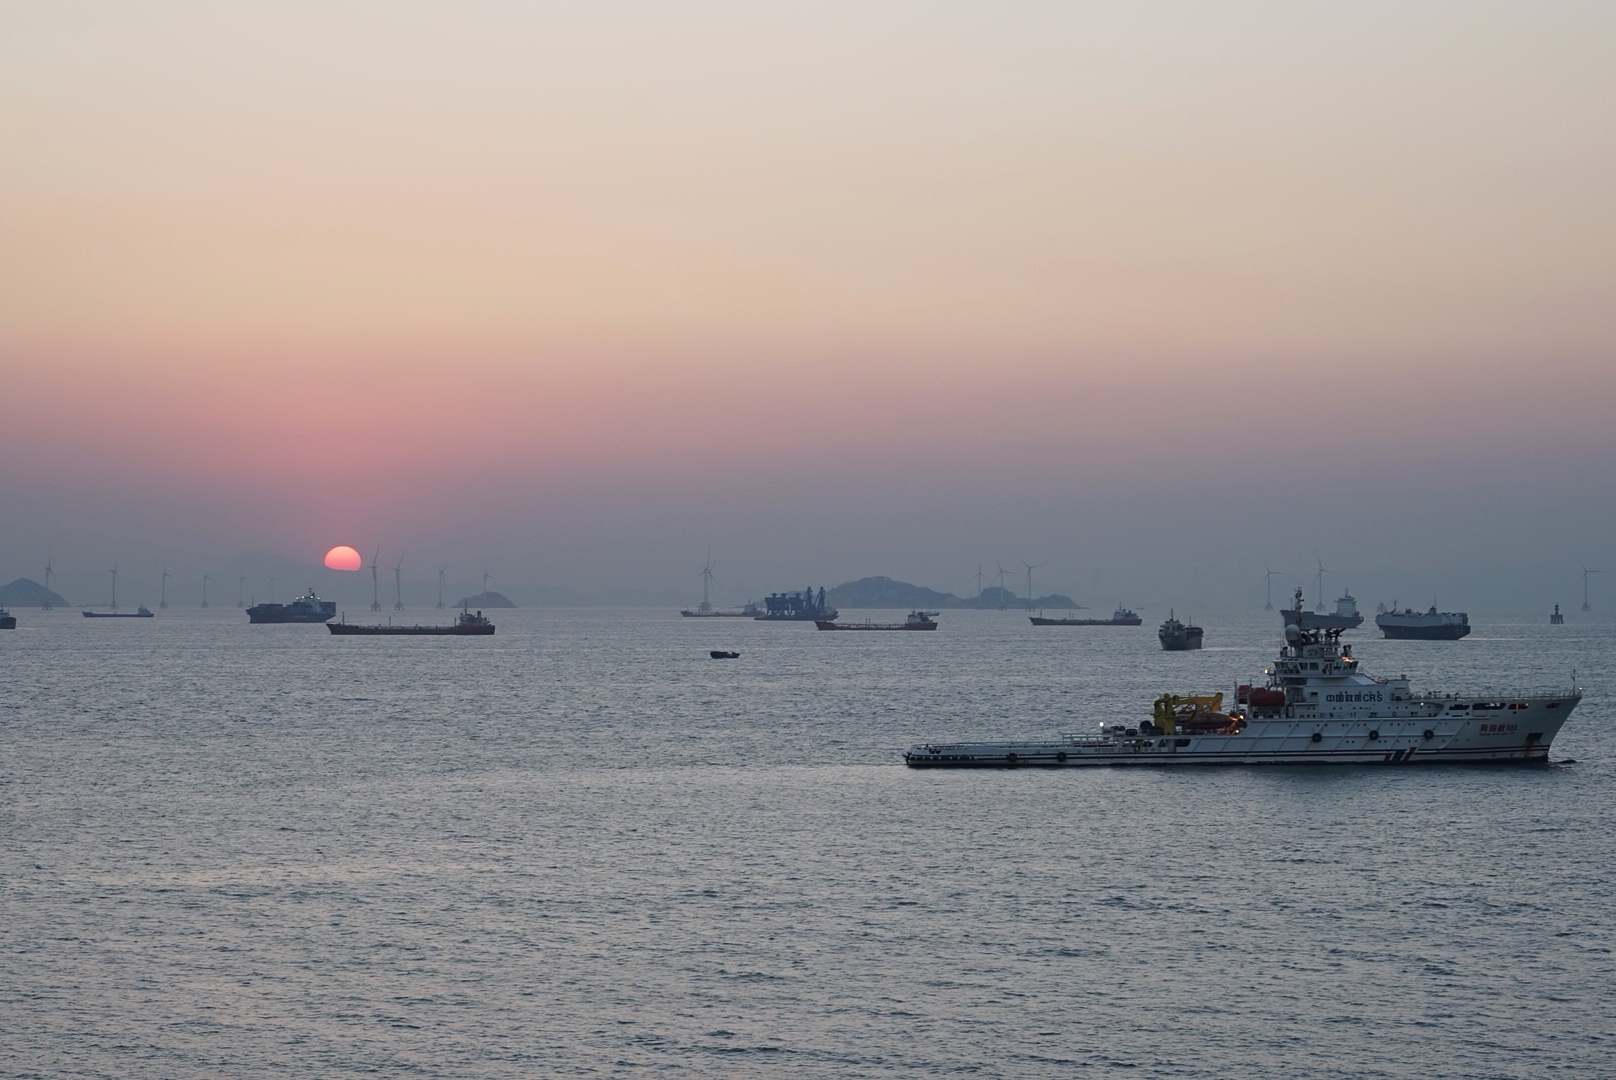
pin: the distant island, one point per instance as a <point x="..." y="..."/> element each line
<point x="885" y="592"/>
<point x="484" y="600"/>
<point x="25" y="592"/>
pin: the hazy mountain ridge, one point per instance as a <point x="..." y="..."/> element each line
<point x="26" y="592"/>
<point x="885" y="592"/>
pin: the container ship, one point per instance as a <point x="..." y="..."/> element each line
<point x="305" y="609"/>
<point x="1316" y="707"/>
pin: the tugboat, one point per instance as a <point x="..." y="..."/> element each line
<point x="1120" y="617"/>
<point x="465" y="624"/>
<point x="1557" y="619"/>
<point x="142" y="612"/>
<point x="1431" y="625"/>
<point x="917" y="620"/>
<point x="1346" y="615"/>
<point x="1179" y="637"/>
<point x="796" y="607"/>
<point x="1315" y="708"/>
<point x="305" y="609"/>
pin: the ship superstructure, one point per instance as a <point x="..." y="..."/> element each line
<point x="1315" y="706"/>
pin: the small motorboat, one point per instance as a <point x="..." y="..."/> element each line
<point x="724" y="654"/>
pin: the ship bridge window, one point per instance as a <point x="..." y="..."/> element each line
<point x="1489" y="705"/>
<point x="1456" y="708"/>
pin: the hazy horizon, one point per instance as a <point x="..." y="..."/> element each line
<point x="1153" y="295"/>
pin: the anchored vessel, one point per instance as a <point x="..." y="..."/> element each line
<point x="1179" y="637"/>
<point x="8" y="621"/>
<point x="917" y="620"/>
<point x="1121" y="617"/>
<point x="305" y="609"/>
<point x="796" y="607"/>
<point x="142" y="612"/>
<point x="1431" y="625"/>
<point x="465" y="624"/>
<point x="704" y="610"/>
<point x="1316" y="707"/>
<point x="1346" y="615"/>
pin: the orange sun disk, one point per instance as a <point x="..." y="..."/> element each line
<point x="343" y="557"/>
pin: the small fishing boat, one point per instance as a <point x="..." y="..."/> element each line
<point x="724" y="654"/>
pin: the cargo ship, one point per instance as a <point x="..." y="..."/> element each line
<point x="917" y="620"/>
<point x="1345" y="617"/>
<point x="465" y="624"/>
<point x="1432" y="625"/>
<point x="704" y="610"/>
<point x="1176" y="636"/>
<point x="305" y="609"/>
<point x="1316" y="707"/>
<point x="1120" y="617"/>
<point x="796" y="607"/>
<point x="142" y="612"/>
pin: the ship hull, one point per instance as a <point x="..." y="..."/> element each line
<point x="717" y="615"/>
<point x="118" y="615"/>
<point x="409" y="631"/>
<point x="1524" y="737"/>
<point x="1448" y="632"/>
<point x="8" y="622"/>
<point x="826" y="625"/>
<point x="1180" y="642"/>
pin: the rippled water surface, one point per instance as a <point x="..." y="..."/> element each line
<point x="582" y="846"/>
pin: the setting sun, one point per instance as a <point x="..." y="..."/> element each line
<point x="343" y="557"/>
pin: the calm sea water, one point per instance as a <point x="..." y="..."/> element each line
<point x="583" y="847"/>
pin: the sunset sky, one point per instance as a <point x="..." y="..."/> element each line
<point x="1151" y="292"/>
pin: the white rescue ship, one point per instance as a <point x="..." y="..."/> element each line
<point x="1316" y="707"/>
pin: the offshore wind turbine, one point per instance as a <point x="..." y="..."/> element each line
<point x="241" y="588"/>
<point x="1030" y="568"/>
<point x="398" y="585"/>
<point x="375" y="588"/>
<point x="47" y="605"/>
<point x="163" y="602"/>
<point x="998" y="580"/>
<point x="1268" y="587"/>
<point x="1585" y="573"/>
<point x="205" y="580"/>
<point x="1318" y="608"/>
<point x="441" y="571"/>
<point x="114" y="573"/>
<point x="707" y="580"/>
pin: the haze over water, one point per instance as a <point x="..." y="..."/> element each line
<point x="582" y="846"/>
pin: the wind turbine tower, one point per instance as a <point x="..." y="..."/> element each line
<point x="241" y="588"/>
<point x="375" y="586"/>
<point x="1319" y="607"/>
<point x="1030" y="568"/>
<point x="706" y="585"/>
<point x="1268" y="587"/>
<point x="163" y="596"/>
<point x="114" y="573"/>
<point x="979" y="581"/>
<point x="486" y="578"/>
<point x="441" y="571"/>
<point x="48" y="572"/>
<point x="205" y="580"/>
<point x="1585" y="573"/>
<point x="398" y="585"/>
<point x="998" y="583"/>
